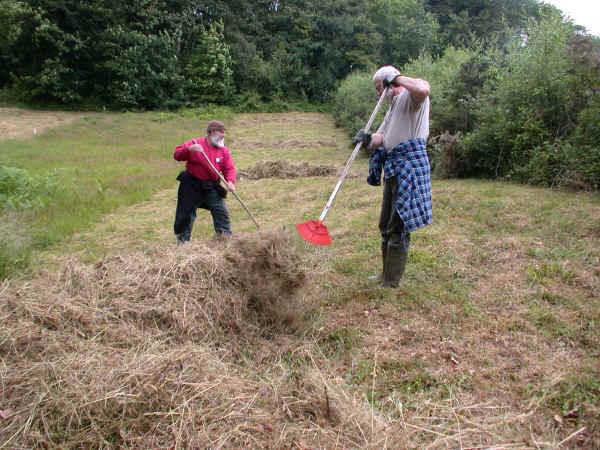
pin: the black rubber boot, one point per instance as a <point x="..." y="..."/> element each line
<point x="395" y="263"/>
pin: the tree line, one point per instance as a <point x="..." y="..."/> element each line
<point x="156" y="53"/>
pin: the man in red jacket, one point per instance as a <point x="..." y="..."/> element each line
<point x="199" y="184"/>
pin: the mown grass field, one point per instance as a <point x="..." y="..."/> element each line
<point x="492" y="340"/>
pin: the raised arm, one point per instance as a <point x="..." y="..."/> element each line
<point x="418" y="88"/>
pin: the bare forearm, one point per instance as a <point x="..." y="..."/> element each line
<point x="418" y="88"/>
<point x="376" y="140"/>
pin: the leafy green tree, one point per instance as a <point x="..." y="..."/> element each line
<point x="208" y="71"/>
<point x="101" y="50"/>
<point x="16" y="22"/>
<point x="406" y="29"/>
<point x="140" y="70"/>
<point x="50" y="76"/>
<point x="119" y="53"/>
<point x="465" y="23"/>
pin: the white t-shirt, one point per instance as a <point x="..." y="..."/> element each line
<point x="405" y="120"/>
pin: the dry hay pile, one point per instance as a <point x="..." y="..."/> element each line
<point x="167" y="348"/>
<point x="184" y="293"/>
<point x="285" y="169"/>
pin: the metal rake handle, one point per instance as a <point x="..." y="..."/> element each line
<point x="220" y="175"/>
<point x="351" y="159"/>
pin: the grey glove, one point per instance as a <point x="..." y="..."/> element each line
<point x="362" y="136"/>
<point x="390" y="73"/>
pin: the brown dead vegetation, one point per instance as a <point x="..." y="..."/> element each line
<point x="19" y="123"/>
<point x="189" y="292"/>
<point x="285" y="169"/>
<point x="284" y="144"/>
<point x="191" y="347"/>
<point x="180" y="347"/>
<point x="279" y="119"/>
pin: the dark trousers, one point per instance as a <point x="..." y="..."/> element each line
<point x="194" y="194"/>
<point x="391" y="225"/>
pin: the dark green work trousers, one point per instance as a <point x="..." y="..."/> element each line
<point x="395" y="239"/>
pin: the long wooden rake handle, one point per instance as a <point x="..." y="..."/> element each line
<point x="351" y="159"/>
<point x="227" y="187"/>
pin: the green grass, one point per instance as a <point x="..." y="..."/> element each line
<point x="576" y="394"/>
<point x="340" y="340"/>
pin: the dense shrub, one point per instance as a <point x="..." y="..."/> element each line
<point x="442" y="73"/>
<point x="536" y="121"/>
<point x="354" y="102"/>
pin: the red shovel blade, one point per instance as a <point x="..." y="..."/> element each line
<point x="314" y="232"/>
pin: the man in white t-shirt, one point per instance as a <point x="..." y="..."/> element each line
<point x="399" y="148"/>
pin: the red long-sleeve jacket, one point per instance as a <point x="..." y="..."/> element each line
<point x="196" y="164"/>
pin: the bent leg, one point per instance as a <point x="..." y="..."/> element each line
<point x="220" y="213"/>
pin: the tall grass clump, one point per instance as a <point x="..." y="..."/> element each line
<point x="22" y="190"/>
<point x="25" y="196"/>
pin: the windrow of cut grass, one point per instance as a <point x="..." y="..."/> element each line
<point x="491" y="341"/>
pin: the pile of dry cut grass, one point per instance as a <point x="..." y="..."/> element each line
<point x="181" y="347"/>
<point x="162" y="349"/>
<point x="181" y="293"/>
<point x="285" y="169"/>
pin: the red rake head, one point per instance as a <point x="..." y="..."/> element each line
<point x="314" y="232"/>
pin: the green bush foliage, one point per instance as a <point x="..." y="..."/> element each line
<point x="20" y="190"/>
<point x="534" y="123"/>
<point x="208" y="71"/>
<point x="446" y="94"/>
<point x="527" y="112"/>
<point x="354" y="102"/>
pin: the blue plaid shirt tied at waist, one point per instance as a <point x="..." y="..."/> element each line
<point x="408" y="162"/>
